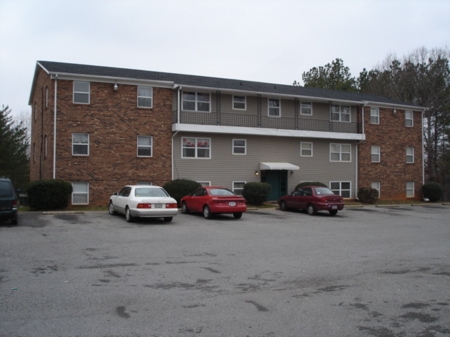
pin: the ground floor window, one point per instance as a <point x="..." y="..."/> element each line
<point x="376" y="185"/>
<point x="204" y="183"/>
<point x="342" y="188"/>
<point x="238" y="187"/>
<point x="410" y="189"/>
<point x="80" y="193"/>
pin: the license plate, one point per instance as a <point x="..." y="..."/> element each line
<point x="158" y="205"/>
<point x="334" y="207"/>
<point x="232" y="204"/>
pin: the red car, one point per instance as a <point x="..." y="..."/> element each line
<point x="211" y="200"/>
<point x="312" y="199"/>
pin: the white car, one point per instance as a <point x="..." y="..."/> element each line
<point x="143" y="201"/>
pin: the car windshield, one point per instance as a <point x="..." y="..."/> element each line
<point x="150" y="192"/>
<point x="221" y="191"/>
<point x="323" y="191"/>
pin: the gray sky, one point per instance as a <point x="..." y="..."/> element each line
<point x="261" y="40"/>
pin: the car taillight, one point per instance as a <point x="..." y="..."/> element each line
<point x="144" y="205"/>
<point x="171" y="206"/>
<point x="15" y="204"/>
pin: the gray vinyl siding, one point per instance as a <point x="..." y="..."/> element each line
<point x="223" y="167"/>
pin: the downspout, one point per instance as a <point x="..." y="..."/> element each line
<point x="178" y="88"/>
<point x="55" y="105"/>
<point x="423" y="152"/>
<point x="357" y="150"/>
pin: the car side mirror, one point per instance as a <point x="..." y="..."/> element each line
<point x="115" y="193"/>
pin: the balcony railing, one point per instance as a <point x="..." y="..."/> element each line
<point x="255" y="121"/>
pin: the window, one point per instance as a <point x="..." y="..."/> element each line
<point x="80" y="144"/>
<point x="81" y="92"/>
<point x="80" y="193"/>
<point x="46" y="97"/>
<point x="409" y="119"/>
<point x="306" y="149"/>
<point x="239" y="103"/>
<point x="196" y="101"/>
<point x="410" y="155"/>
<point x="144" y="146"/>
<point x="340" y="113"/>
<point x="196" y="147"/>
<point x="204" y="183"/>
<point x="374" y="116"/>
<point x="238" y="187"/>
<point x="376" y="185"/>
<point x="240" y="146"/>
<point x="274" y="109"/>
<point x="375" y="154"/>
<point x="410" y="189"/>
<point x="341" y="188"/>
<point x="340" y="152"/>
<point x="145" y="95"/>
<point x="306" y="108"/>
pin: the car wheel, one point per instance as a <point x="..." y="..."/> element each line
<point x="283" y="206"/>
<point x="14" y="220"/>
<point x="207" y="212"/>
<point x="333" y="212"/>
<point x="184" y="208"/>
<point x="311" y="210"/>
<point x="111" y="209"/>
<point x="128" y="215"/>
<point x="237" y="215"/>
<point x="168" y="219"/>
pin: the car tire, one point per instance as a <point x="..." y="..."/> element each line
<point x="310" y="209"/>
<point x="111" y="209"/>
<point x="14" y="220"/>
<point x="237" y="215"/>
<point x="128" y="215"/>
<point x="283" y="206"/>
<point x="333" y="212"/>
<point x="168" y="219"/>
<point x="207" y="212"/>
<point x="184" y="208"/>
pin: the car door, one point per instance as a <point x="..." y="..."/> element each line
<point x="305" y="197"/>
<point x="122" y="199"/>
<point x="294" y="199"/>
<point x="197" y="200"/>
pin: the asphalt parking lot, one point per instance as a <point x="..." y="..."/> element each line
<point x="371" y="271"/>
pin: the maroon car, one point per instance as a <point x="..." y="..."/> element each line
<point x="312" y="199"/>
<point x="211" y="200"/>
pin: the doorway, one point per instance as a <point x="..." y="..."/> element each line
<point x="277" y="179"/>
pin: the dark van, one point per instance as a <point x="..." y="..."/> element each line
<point x="9" y="201"/>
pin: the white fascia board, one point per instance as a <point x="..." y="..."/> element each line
<point x="395" y="106"/>
<point x="237" y="130"/>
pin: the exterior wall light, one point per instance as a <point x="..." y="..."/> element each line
<point x="116" y="87"/>
<point x="256" y="173"/>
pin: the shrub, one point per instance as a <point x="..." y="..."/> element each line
<point x="310" y="183"/>
<point x="51" y="194"/>
<point x="256" y="193"/>
<point x="178" y="188"/>
<point x="367" y="195"/>
<point x="432" y="191"/>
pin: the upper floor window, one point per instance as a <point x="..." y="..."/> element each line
<point x="238" y="187"/>
<point x="196" y="147"/>
<point x="144" y="146"/>
<point x="375" y="154"/>
<point x="80" y="144"/>
<point x="340" y="113"/>
<point x="81" y="92"/>
<point x="306" y="149"/>
<point x="374" y="116"/>
<point x="274" y="109"/>
<point x="410" y="189"/>
<point x="340" y="152"/>
<point x="240" y="146"/>
<point x="306" y="108"/>
<point x="145" y="97"/>
<point x="196" y="101"/>
<point x="410" y="155"/>
<point x="239" y="103"/>
<point x="80" y="193"/>
<point x="342" y="188"/>
<point x="409" y="119"/>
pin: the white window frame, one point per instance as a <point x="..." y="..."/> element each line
<point x="374" y="115"/>
<point x="304" y="150"/>
<point x="196" y="147"/>
<point x="274" y="109"/>
<point x="306" y="106"/>
<point x="410" y="191"/>
<point x="409" y="119"/>
<point x="204" y="183"/>
<point x="79" y="92"/>
<point x="375" y="154"/>
<point x="144" y="96"/>
<point x="342" y="112"/>
<point x="410" y="155"/>
<point x="239" y="105"/>
<point x="80" y="188"/>
<point x="376" y="185"/>
<point x="340" y="190"/>
<point x="235" y="147"/>
<point x="340" y="152"/>
<point x="79" y="144"/>
<point x="238" y="190"/>
<point x="143" y="146"/>
<point x="197" y="102"/>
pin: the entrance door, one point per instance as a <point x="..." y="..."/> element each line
<point x="277" y="180"/>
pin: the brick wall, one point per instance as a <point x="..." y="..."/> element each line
<point x="393" y="138"/>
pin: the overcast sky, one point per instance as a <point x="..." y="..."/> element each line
<point x="262" y="40"/>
